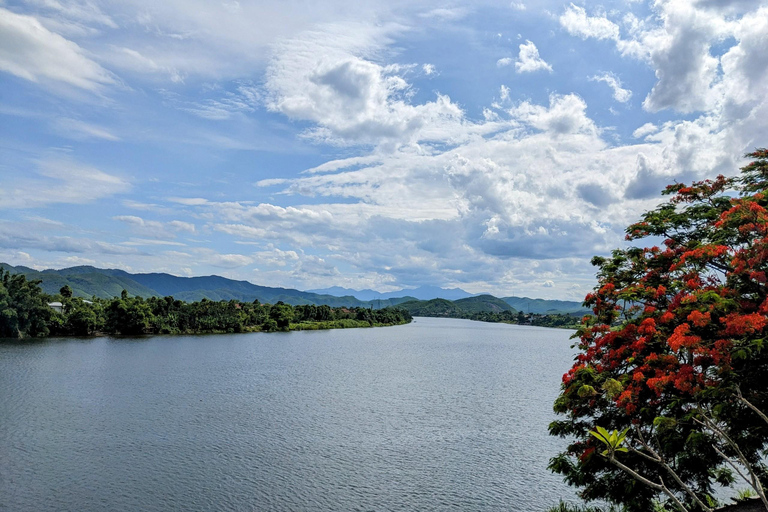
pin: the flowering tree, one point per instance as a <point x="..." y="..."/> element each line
<point x="674" y="356"/>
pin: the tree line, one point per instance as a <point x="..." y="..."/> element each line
<point x="25" y="312"/>
<point x="557" y="320"/>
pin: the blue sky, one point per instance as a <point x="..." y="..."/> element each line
<point x="492" y="146"/>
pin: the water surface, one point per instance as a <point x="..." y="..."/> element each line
<point x="436" y="415"/>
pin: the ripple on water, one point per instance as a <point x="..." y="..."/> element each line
<point x="435" y="415"/>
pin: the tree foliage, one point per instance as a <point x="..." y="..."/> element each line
<point x="24" y="312"/>
<point x="675" y="352"/>
<point x="23" y="307"/>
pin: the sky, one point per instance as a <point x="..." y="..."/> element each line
<point x="491" y="146"/>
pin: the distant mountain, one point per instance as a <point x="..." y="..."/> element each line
<point x="87" y="281"/>
<point x="545" y="306"/>
<point x="421" y="293"/>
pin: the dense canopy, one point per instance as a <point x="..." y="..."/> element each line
<point x="675" y="354"/>
<point x="25" y="312"/>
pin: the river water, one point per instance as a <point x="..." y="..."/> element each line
<point x="439" y="414"/>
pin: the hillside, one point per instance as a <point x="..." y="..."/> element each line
<point x="434" y="307"/>
<point x="420" y="293"/>
<point x="84" y="283"/>
<point x="545" y="306"/>
<point x="483" y="304"/>
<point x="87" y="281"/>
<point x="462" y="308"/>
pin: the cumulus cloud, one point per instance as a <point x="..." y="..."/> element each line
<point x="619" y="94"/>
<point x="646" y="129"/>
<point x="32" y="52"/>
<point x="352" y="100"/>
<point x="677" y="44"/>
<point x="576" y="21"/>
<point x="564" y="115"/>
<point x="528" y="60"/>
<point x="527" y="189"/>
<point x="547" y="188"/>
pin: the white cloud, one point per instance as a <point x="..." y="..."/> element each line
<point x="677" y="43"/>
<point x="503" y="62"/>
<point x="504" y="92"/>
<point x="528" y="59"/>
<point x="82" y="12"/>
<point x="679" y="52"/>
<point x="527" y="190"/>
<point x="576" y="22"/>
<point x="446" y="14"/>
<point x="178" y="225"/>
<point x="565" y="115"/>
<point x="32" y="52"/>
<point x="155" y="229"/>
<point x="243" y="99"/>
<point x="29" y="236"/>
<point x="229" y="260"/>
<point x="274" y="257"/>
<point x="81" y="130"/>
<point x="619" y="94"/>
<point x="547" y="190"/>
<point x="59" y="181"/>
<point x="646" y="129"/>
<point x="321" y="77"/>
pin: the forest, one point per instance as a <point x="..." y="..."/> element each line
<point x="25" y="313"/>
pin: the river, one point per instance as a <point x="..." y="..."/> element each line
<point x="439" y="414"/>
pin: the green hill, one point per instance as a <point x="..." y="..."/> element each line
<point x="546" y="306"/>
<point x="434" y="307"/>
<point x="86" y="284"/>
<point x="482" y="304"/>
<point x="462" y="308"/>
<point x="87" y="281"/>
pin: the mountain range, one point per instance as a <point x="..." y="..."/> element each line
<point x="87" y="281"/>
<point x="421" y="293"/>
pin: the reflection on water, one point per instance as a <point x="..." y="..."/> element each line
<point x="435" y="415"/>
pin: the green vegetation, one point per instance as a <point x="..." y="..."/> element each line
<point x="24" y="312"/>
<point x="23" y="307"/>
<point x="546" y="306"/>
<point x="487" y="308"/>
<point x="87" y="282"/>
<point x="483" y="304"/>
<point x="667" y="397"/>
